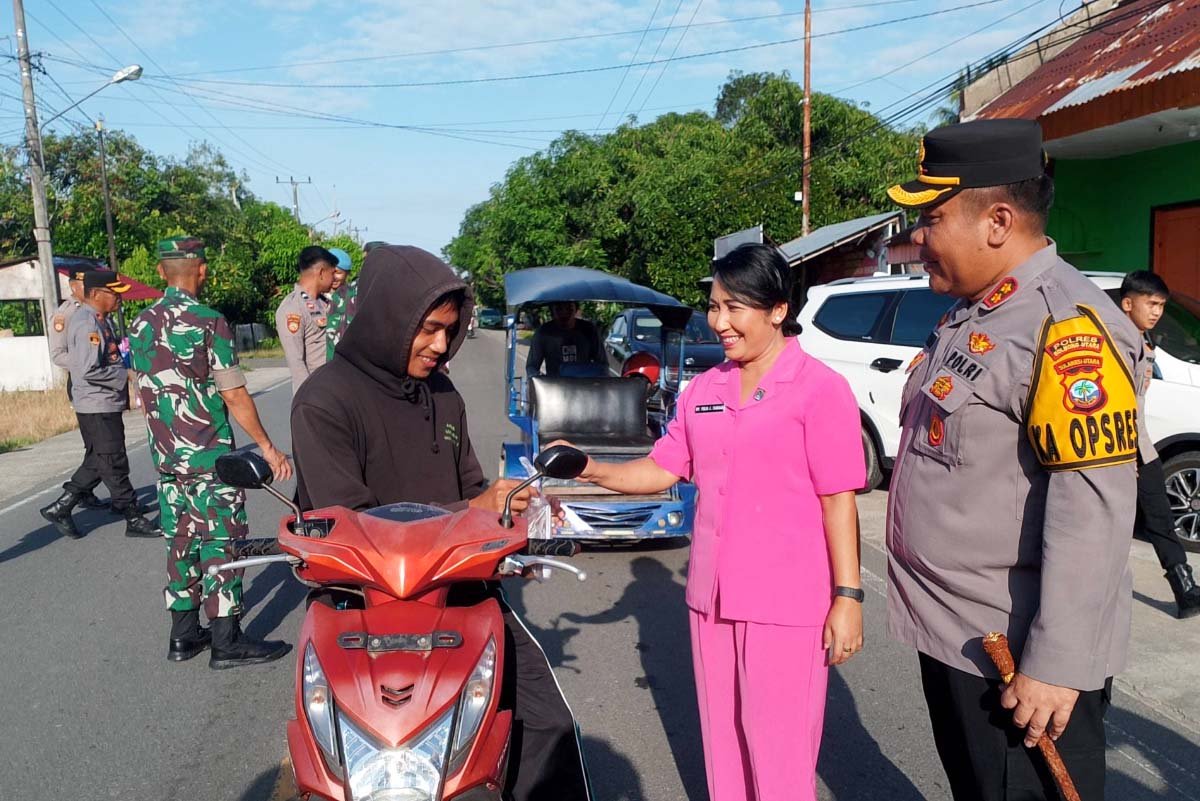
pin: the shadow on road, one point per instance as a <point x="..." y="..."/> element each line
<point x="289" y="596"/>
<point x="614" y="777"/>
<point x="1166" y="607"/>
<point x="656" y="601"/>
<point x="263" y="787"/>
<point x="88" y="521"/>
<point x="33" y="541"/>
<point x="851" y="763"/>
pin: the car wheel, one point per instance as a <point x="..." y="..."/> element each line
<point x="871" y="457"/>
<point x="1183" y="493"/>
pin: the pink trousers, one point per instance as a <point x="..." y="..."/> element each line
<point x="761" y="693"/>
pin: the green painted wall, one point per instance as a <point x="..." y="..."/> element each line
<point x="1101" y="214"/>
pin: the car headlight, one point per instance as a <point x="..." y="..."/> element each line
<point x="412" y="772"/>
<point x="474" y="702"/>
<point x="318" y="704"/>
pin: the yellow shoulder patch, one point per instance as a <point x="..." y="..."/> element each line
<point x="1082" y="407"/>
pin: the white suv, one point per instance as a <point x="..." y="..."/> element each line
<point x="868" y="329"/>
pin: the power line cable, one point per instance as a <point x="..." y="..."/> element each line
<point x="533" y="42"/>
<point x="585" y="70"/>
<point x="267" y="158"/>
<point x="641" y="80"/>
<point x="189" y="134"/>
<point x="663" y="71"/>
<point x="625" y="74"/>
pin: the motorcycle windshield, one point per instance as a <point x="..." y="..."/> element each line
<point x="406" y="512"/>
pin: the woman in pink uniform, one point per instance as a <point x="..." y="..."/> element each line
<point x="772" y="440"/>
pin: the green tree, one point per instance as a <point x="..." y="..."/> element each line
<point x="645" y="202"/>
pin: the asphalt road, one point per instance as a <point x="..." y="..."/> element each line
<point x="92" y="709"/>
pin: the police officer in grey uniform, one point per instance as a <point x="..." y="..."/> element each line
<point x="57" y="340"/>
<point x="100" y="396"/>
<point x="1013" y="495"/>
<point x="303" y="315"/>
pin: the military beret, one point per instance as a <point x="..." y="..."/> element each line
<point x="180" y="247"/>
<point x="344" y="263"/>
<point x="105" y="279"/>
<point x="971" y="155"/>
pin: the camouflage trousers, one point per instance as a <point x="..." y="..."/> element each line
<point x="199" y="515"/>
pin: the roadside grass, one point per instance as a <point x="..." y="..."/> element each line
<point x="262" y="353"/>
<point x="32" y="416"/>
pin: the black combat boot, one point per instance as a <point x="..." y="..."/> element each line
<point x="59" y="513"/>
<point x="138" y="526"/>
<point x="1187" y="594"/>
<point x="231" y="648"/>
<point x="187" y="637"/>
<point x="88" y="500"/>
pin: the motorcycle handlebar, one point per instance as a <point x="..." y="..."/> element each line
<point x="553" y="547"/>
<point x="245" y="549"/>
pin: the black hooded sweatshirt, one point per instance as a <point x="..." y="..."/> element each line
<point x="364" y="432"/>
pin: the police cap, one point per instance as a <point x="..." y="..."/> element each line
<point x="105" y="279"/>
<point x="970" y="155"/>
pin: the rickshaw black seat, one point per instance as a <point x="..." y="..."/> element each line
<point x="598" y="415"/>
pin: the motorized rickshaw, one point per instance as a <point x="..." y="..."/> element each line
<point x="608" y="417"/>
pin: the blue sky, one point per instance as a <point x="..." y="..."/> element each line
<point x="245" y="75"/>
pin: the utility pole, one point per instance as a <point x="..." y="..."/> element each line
<point x="295" y="189"/>
<point x="807" y="115"/>
<point x="33" y="146"/>
<point x="354" y="230"/>
<point x="108" y="222"/>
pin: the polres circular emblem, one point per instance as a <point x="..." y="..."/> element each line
<point x="1086" y="395"/>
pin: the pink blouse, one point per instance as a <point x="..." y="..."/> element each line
<point x="760" y="471"/>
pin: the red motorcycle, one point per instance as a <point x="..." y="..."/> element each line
<point x="397" y="682"/>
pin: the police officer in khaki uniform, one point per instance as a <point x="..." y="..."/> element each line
<point x="1013" y="495"/>
<point x="303" y="316"/>
<point x="100" y="396"/>
<point x="57" y="336"/>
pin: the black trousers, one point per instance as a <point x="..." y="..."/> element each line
<point x="1154" y="519"/>
<point x="983" y="753"/>
<point x="104" y="459"/>
<point x="547" y="763"/>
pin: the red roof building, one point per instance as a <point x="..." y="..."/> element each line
<point x="1116" y="89"/>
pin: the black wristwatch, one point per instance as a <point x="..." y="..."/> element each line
<point x="850" y="592"/>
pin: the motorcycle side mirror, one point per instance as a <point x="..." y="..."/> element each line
<point x="245" y="470"/>
<point x="562" y="462"/>
<point x="248" y="470"/>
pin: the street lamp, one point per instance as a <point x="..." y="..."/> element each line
<point x="130" y="73"/>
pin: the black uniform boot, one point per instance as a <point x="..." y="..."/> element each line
<point x="88" y="500"/>
<point x="187" y="637"/>
<point x="1187" y="594"/>
<point x="231" y="648"/>
<point x="138" y="526"/>
<point x="59" y="513"/>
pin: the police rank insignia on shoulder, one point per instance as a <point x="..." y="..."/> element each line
<point x="59" y="323"/>
<point x="94" y="338"/>
<point x="920" y="357"/>
<point x="293" y="323"/>
<point x="1003" y="291"/>
<point x="1082" y="407"/>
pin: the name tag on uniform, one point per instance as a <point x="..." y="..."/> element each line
<point x="710" y="408"/>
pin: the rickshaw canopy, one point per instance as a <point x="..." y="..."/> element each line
<point x="540" y="285"/>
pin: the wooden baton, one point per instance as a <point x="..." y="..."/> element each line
<point x="996" y="647"/>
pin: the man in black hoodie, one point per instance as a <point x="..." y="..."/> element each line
<point x="382" y="424"/>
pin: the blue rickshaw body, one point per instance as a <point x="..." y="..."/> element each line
<point x="592" y="514"/>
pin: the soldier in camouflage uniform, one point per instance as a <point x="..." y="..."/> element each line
<point x="189" y="381"/>
<point x="342" y="301"/>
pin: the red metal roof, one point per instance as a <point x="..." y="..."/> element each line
<point x="1153" y="40"/>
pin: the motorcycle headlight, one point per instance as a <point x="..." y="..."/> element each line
<point x="474" y="702"/>
<point x="318" y="704"/>
<point x="412" y="772"/>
